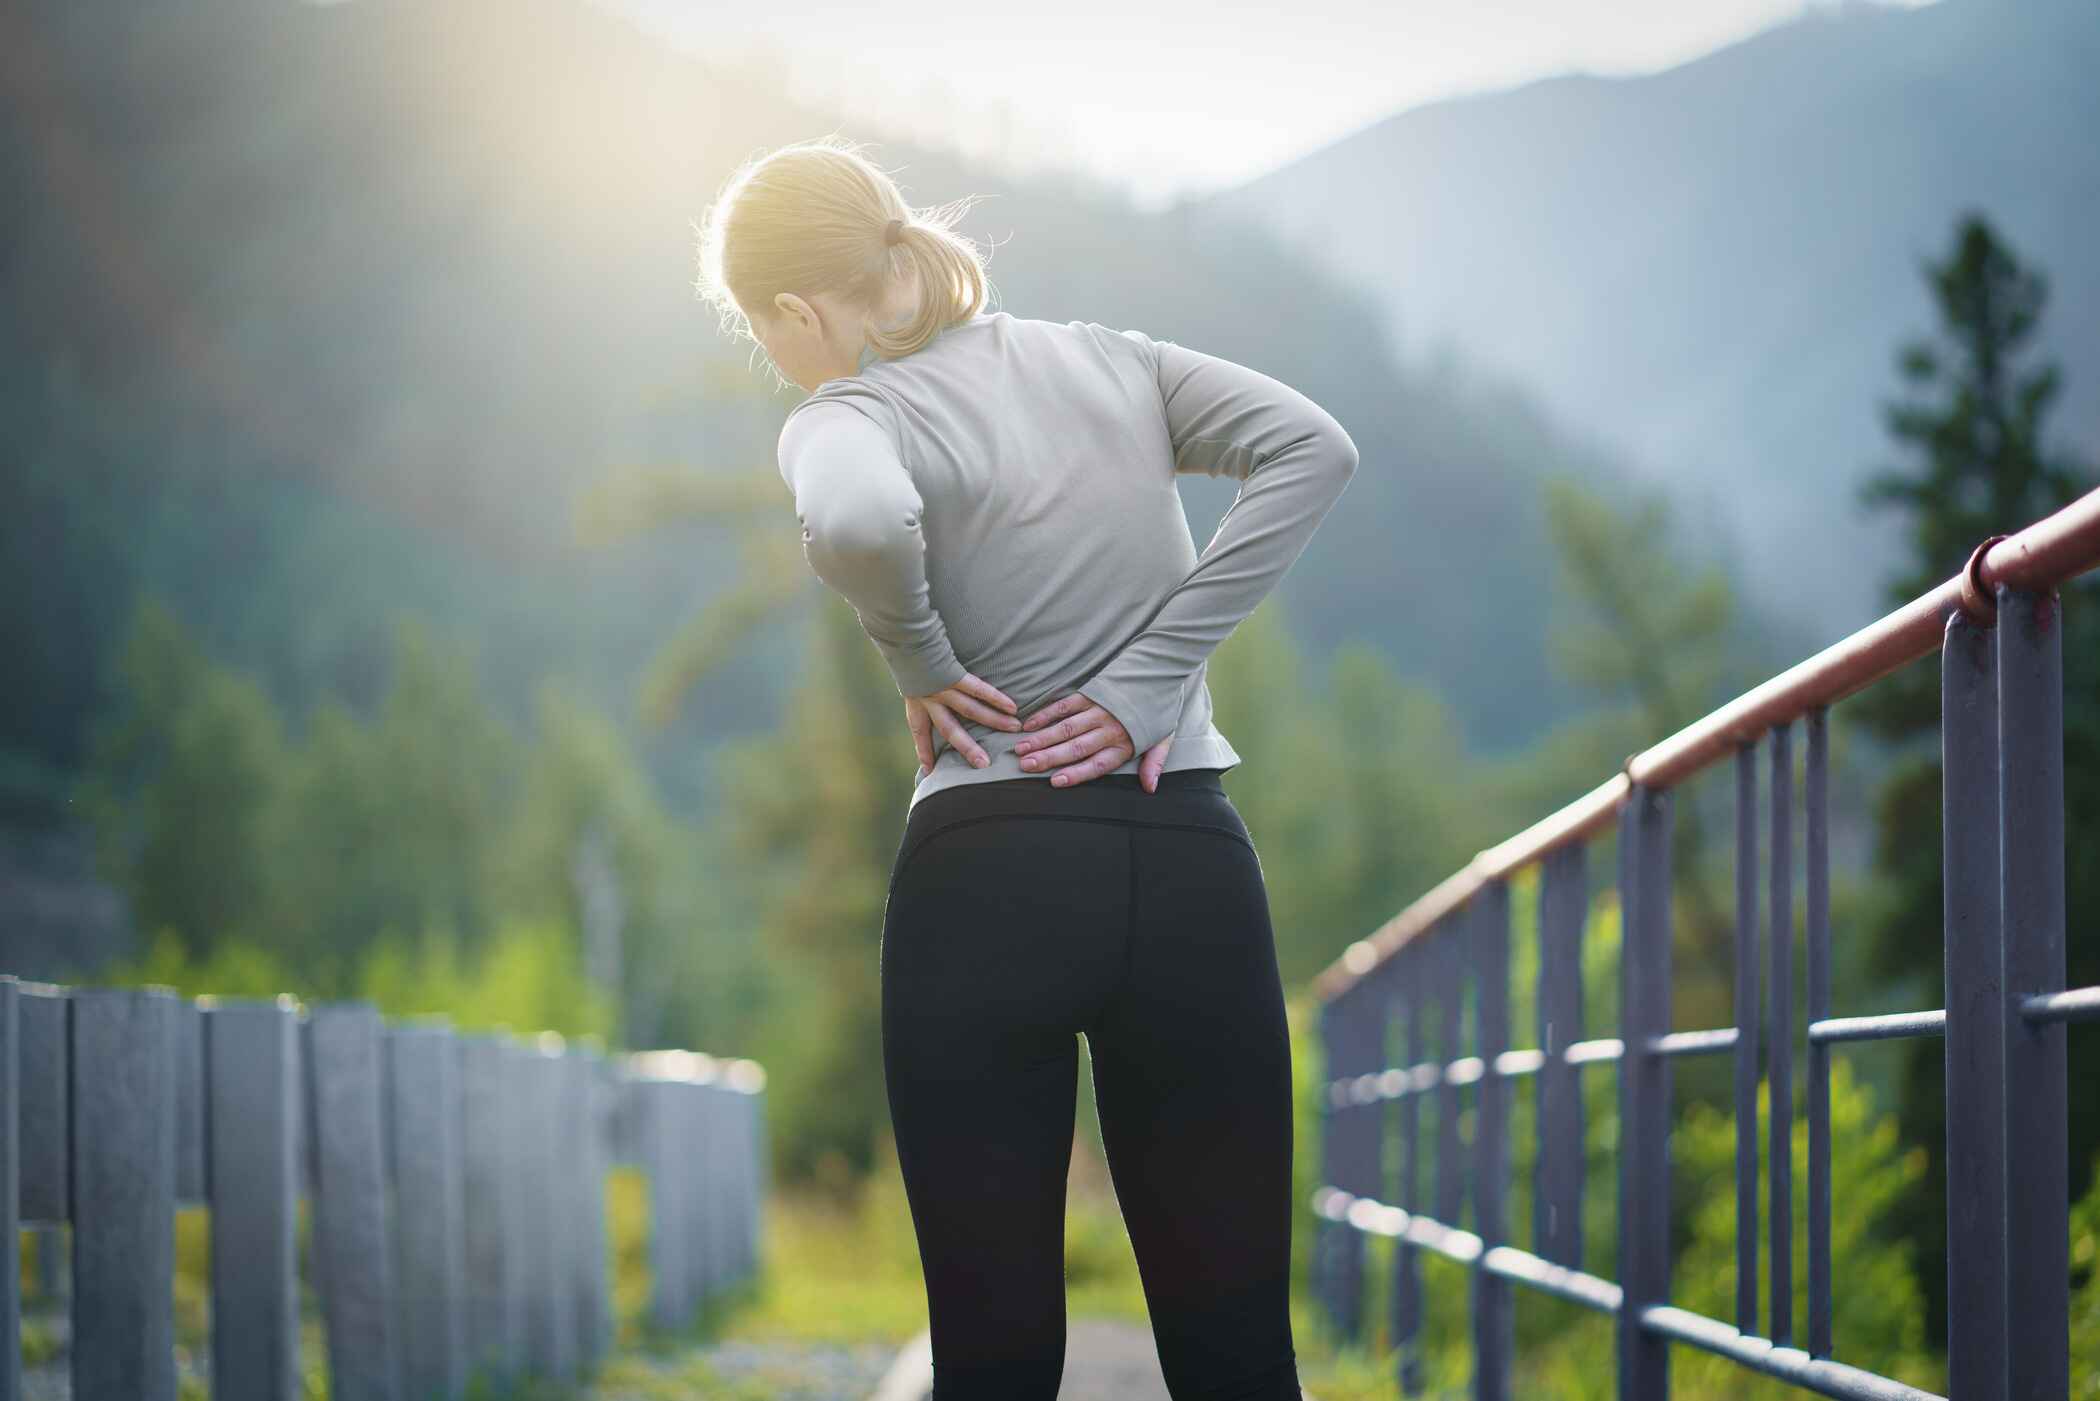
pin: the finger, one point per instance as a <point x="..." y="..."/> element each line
<point x="1071" y="727"/>
<point x="1106" y="761"/>
<point x="922" y="738"/>
<point x="1153" y="764"/>
<point x="1071" y="751"/>
<point x="1056" y="710"/>
<point x="986" y="691"/>
<point x="965" y="704"/>
<point x="957" y="735"/>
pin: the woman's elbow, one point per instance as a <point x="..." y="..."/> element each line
<point x="1338" y="451"/>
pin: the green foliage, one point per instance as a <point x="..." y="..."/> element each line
<point x="424" y="857"/>
<point x="2085" y="1298"/>
<point x="526" y="978"/>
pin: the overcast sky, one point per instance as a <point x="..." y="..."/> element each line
<point x="1166" y="96"/>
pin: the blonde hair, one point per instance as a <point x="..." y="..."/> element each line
<point x="811" y="217"/>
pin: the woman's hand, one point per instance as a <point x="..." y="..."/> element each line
<point x="1079" y="740"/>
<point x="970" y="697"/>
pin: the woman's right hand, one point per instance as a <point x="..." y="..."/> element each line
<point x="1087" y="741"/>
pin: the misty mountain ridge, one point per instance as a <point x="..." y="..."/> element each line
<point x="1708" y="270"/>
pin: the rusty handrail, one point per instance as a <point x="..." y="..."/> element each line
<point x="2057" y="547"/>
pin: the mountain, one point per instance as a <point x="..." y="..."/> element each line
<point x="1709" y="269"/>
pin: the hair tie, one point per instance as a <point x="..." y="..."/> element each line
<point x="893" y="232"/>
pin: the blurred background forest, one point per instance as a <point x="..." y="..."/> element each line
<point x="403" y="602"/>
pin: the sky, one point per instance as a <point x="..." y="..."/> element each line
<point x="1172" y="97"/>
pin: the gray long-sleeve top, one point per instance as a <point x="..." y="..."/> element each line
<point x="1002" y="502"/>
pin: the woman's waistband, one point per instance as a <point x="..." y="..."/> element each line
<point x="1193" y="797"/>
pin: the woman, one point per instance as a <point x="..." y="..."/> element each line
<point x="995" y="496"/>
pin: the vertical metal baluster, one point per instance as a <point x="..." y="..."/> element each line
<point x="1781" y="1032"/>
<point x="1494" y="1340"/>
<point x="1557" y="1199"/>
<point x="1816" y="799"/>
<point x="1747" y="950"/>
<point x="1325" y="1251"/>
<point x="10" y="1190"/>
<point x="2031" y="748"/>
<point x="1644" y="1093"/>
<point x="1407" y="1277"/>
<point x="1353" y="1027"/>
<point x="1448" y="946"/>
<point x="1975" y="1043"/>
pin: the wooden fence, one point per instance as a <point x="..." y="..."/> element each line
<point x="456" y="1185"/>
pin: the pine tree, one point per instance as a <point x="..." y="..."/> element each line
<point x="1979" y="465"/>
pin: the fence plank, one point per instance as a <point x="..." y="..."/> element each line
<point x="594" y="1089"/>
<point x="47" y="1130"/>
<point x="190" y="1185"/>
<point x="10" y="1190"/>
<point x="549" y="1317"/>
<point x="2037" y="1088"/>
<point x="122" y="1081"/>
<point x="492" y="1221"/>
<point x="251" y="1075"/>
<point x="423" y="1115"/>
<point x="351" y="1244"/>
<point x="655" y="1104"/>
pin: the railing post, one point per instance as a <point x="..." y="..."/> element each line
<point x="1779" y="1073"/>
<point x="1746" y="1015"/>
<point x="1407" y="1273"/>
<point x="10" y="1190"/>
<point x="1644" y="1091"/>
<point x="123" y="1193"/>
<point x="1557" y="1198"/>
<point x="1494" y="1338"/>
<point x="1816" y="802"/>
<point x="1976" y="1318"/>
<point x="251" y="1069"/>
<point x="1448" y="955"/>
<point x="2037" y="1105"/>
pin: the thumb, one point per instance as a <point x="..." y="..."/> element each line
<point x="1150" y="766"/>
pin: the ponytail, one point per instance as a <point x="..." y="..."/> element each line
<point x="813" y="217"/>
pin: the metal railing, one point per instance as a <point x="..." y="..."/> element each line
<point x="1997" y="625"/>
<point x="456" y="1184"/>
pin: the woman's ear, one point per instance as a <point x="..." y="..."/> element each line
<point x="794" y="310"/>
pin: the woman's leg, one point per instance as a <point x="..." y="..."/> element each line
<point x="998" y="939"/>
<point x="1192" y="1074"/>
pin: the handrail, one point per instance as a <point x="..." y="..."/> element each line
<point x="2052" y="550"/>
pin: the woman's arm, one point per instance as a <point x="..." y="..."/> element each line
<point x="861" y="533"/>
<point x="1294" y="459"/>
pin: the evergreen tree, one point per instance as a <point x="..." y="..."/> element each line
<point x="1978" y="466"/>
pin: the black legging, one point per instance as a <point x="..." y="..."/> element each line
<point x="1020" y="914"/>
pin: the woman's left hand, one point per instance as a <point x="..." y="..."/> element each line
<point x="971" y="698"/>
